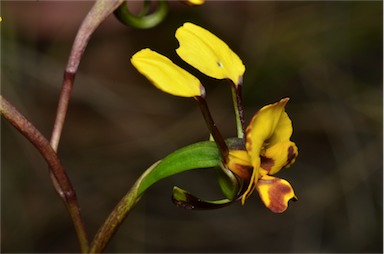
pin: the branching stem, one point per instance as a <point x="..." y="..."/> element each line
<point x="100" y="10"/>
<point x="67" y="193"/>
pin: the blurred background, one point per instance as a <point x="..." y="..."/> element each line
<point x="326" y="56"/>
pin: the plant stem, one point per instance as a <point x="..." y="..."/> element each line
<point x="98" y="13"/>
<point x="62" y="107"/>
<point x="67" y="192"/>
<point x="117" y="216"/>
<point x="113" y="221"/>
<point x="213" y="128"/>
<point x="238" y="107"/>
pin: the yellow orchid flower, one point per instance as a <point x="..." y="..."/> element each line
<point x="267" y="147"/>
<point x="268" y="150"/>
<point x="166" y="75"/>
<point x="209" y="54"/>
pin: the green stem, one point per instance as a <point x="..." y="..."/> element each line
<point x="223" y="148"/>
<point x="64" y="186"/>
<point x="117" y="216"/>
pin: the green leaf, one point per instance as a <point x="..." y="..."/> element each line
<point x="199" y="155"/>
<point x="229" y="183"/>
<point x="143" y="21"/>
<point x="186" y="200"/>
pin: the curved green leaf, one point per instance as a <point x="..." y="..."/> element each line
<point x="143" y="21"/>
<point x="199" y="155"/>
<point x="186" y="200"/>
<point x="228" y="182"/>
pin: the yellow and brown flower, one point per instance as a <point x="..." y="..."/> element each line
<point x="268" y="150"/>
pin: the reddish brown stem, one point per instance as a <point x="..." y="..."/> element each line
<point x="62" y="107"/>
<point x="57" y="170"/>
<point x="98" y="13"/>
<point x="238" y="106"/>
<point x="100" y="10"/>
<point x="220" y="142"/>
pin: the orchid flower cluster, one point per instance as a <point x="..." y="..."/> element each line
<point x="260" y="150"/>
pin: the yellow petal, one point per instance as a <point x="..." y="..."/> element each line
<point x="251" y="185"/>
<point x="283" y="130"/>
<point x="239" y="163"/>
<point x="194" y="2"/>
<point x="275" y="193"/>
<point x="280" y="155"/>
<point x="166" y="75"/>
<point x="209" y="54"/>
<point x="263" y="125"/>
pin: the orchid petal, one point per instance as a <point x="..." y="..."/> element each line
<point x="275" y="193"/>
<point x="276" y="157"/>
<point x="194" y="2"/>
<point x="252" y="184"/>
<point x="239" y="163"/>
<point x="209" y="54"/>
<point x="166" y="75"/>
<point x="283" y="130"/>
<point x="262" y="128"/>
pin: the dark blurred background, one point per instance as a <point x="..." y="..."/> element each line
<point x="326" y="56"/>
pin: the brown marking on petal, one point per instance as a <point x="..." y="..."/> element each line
<point x="238" y="162"/>
<point x="266" y="163"/>
<point x="242" y="171"/>
<point x="278" y="193"/>
<point x="248" y="143"/>
<point x="291" y="155"/>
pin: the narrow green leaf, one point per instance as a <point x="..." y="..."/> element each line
<point x="186" y="200"/>
<point x="199" y="155"/>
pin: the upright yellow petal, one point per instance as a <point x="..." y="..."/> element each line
<point x="262" y="127"/>
<point x="166" y="75"/>
<point x="283" y="130"/>
<point x="275" y="193"/>
<point x="209" y="54"/>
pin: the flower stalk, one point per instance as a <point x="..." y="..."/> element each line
<point x="223" y="148"/>
<point x="115" y="218"/>
<point x="65" y="189"/>
<point x="238" y="107"/>
<point x="100" y="10"/>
